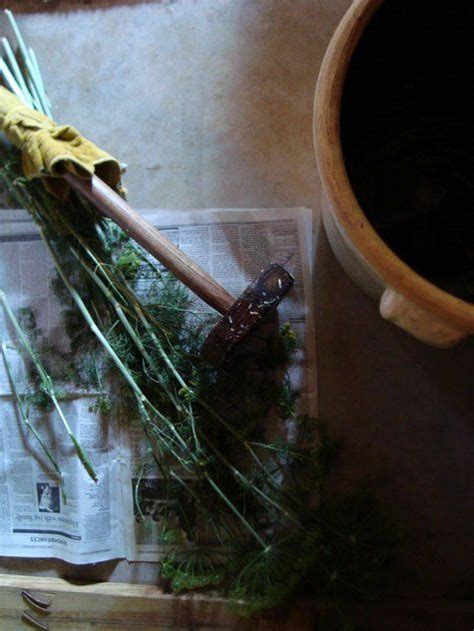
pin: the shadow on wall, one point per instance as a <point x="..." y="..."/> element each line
<point x="41" y="6"/>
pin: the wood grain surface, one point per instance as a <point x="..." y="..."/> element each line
<point x="120" y="606"/>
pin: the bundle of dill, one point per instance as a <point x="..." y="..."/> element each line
<point x="243" y="512"/>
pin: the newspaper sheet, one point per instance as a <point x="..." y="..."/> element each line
<point x="91" y="522"/>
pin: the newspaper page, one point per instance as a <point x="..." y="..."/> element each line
<point x="90" y="522"/>
<point x="80" y="522"/>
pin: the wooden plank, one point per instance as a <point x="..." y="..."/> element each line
<point x="113" y="606"/>
<point x="121" y="606"/>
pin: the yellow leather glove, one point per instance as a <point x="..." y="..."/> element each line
<point x="50" y="150"/>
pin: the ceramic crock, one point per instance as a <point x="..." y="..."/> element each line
<point x="405" y="298"/>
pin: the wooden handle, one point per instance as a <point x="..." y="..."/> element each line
<point x="113" y="206"/>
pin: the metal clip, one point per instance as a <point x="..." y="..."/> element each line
<point x="35" y="602"/>
<point x="41" y="606"/>
<point x="37" y="624"/>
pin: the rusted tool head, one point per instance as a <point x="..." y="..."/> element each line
<point x="261" y="297"/>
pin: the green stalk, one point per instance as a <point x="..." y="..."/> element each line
<point x="183" y="384"/>
<point x="39" y="81"/>
<point x="16" y="70"/>
<point x="134" y="337"/>
<point x="123" y="318"/>
<point x="95" y="329"/>
<point x="169" y="363"/>
<point x="123" y="370"/>
<point x="150" y="428"/>
<point x="82" y="307"/>
<point x="236" y="512"/>
<point x="33" y="81"/>
<point x="108" y="294"/>
<point x="210" y="516"/>
<point x="242" y="478"/>
<point x="11" y="82"/>
<point x="135" y="492"/>
<point x="98" y="333"/>
<point x="140" y="396"/>
<point x="23" y="415"/>
<point x="47" y="385"/>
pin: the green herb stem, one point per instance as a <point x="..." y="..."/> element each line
<point x="47" y="385"/>
<point x="23" y="415"/>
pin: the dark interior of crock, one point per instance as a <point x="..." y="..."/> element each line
<point x="407" y="131"/>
